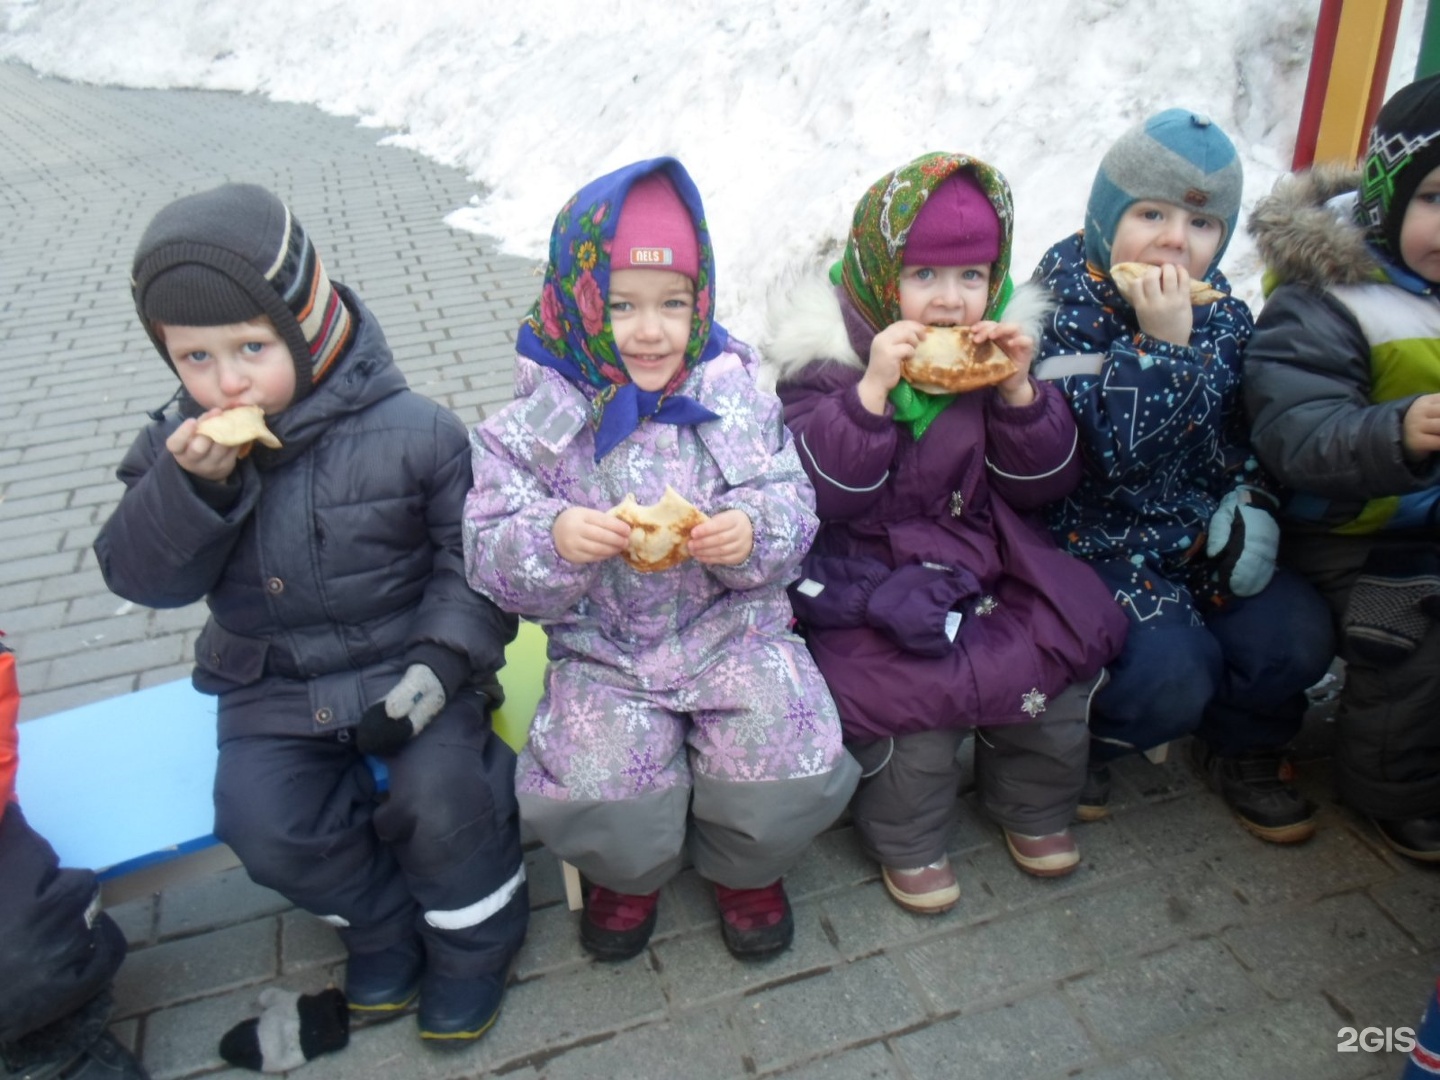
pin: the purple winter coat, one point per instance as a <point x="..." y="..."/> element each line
<point x="911" y="530"/>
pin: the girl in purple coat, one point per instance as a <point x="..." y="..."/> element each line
<point x="678" y="704"/>
<point x="932" y="602"/>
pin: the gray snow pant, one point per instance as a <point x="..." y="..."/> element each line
<point x="742" y="835"/>
<point x="1387" y="753"/>
<point x="1029" y="778"/>
<point x="438" y="855"/>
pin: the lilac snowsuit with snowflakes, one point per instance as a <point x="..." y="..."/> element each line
<point x="674" y="701"/>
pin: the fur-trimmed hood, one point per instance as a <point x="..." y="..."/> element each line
<point x="1306" y="238"/>
<point x="805" y="324"/>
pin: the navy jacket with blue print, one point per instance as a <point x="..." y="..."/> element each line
<point x="1161" y="425"/>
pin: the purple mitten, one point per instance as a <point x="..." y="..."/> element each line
<point x="911" y="606"/>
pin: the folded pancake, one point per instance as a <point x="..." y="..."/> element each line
<point x="240" y="426"/>
<point x="1128" y="273"/>
<point x="949" y="361"/>
<point x="660" y="532"/>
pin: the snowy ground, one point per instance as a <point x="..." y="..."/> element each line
<point x="784" y="112"/>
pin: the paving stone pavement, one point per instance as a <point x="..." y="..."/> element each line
<point x="1181" y="949"/>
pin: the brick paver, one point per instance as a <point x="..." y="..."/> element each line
<point x="1181" y="948"/>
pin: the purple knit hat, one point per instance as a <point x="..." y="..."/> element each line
<point x="957" y="226"/>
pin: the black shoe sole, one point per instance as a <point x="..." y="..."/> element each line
<point x="761" y="944"/>
<point x="613" y="946"/>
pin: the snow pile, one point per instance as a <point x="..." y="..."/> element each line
<point x="783" y="112"/>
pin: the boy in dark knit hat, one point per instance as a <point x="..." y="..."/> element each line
<point x="1342" y="379"/>
<point x="1174" y="512"/>
<point x="340" y="622"/>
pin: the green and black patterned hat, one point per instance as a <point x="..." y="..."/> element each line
<point x="1404" y="148"/>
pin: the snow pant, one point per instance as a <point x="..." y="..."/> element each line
<point x="1387" y="753"/>
<point x="58" y="950"/>
<point x="1236" y="678"/>
<point x="742" y="763"/>
<point x="1029" y="778"/>
<point x="437" y="854"/>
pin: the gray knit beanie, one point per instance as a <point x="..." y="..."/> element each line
<point x="230" y="255"/>
<point x="1175" y="157"/>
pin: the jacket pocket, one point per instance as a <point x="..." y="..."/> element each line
<point x="224" y="660"/>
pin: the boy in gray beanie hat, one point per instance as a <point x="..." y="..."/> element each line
<point x="340" y="624"/>
<point x="1173" y="511"/>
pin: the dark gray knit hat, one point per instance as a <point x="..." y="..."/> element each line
<point x="1175" y="156"/>
<point x="230" y="255"/>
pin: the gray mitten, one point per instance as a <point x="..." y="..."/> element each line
<point x="292" y="1029"/>
<point x="416" y="700"/>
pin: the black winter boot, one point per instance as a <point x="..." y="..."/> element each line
<point x="1259" y="794"/>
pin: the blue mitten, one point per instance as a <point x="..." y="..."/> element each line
<point x="1244" y="538"/>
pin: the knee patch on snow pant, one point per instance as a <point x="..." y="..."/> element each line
<point x="905" y="806"/>
<point x="744" y="835"/>
<point x="628" y="845"/>
<point x="1030" y="775"/>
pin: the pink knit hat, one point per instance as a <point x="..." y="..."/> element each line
<point x="654" y="230"/>
<point x="957" y="226"/>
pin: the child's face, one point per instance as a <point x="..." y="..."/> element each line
<point x="1420" y="229"/>
<point x="650" y="312"/>
<point x="944" y="295"/>
<point x="240" y="364"/>
<point x="1160" y="234"/>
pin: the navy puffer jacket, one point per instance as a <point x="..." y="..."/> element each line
<point x="335" y="564"/>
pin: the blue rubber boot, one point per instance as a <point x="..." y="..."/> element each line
<point x="382" y="984"/>
<point x="458" y="1011"/>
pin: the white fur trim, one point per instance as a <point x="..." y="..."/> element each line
<point x="476" y="913"/>
<point x="1030" y="305"/>
<point x="804" y="325"/>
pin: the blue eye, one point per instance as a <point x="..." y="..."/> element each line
<point x="253" y="348"/>
<point x="1201" y="223"/>
<point x="923" y="273"/>
<point x="973" y="275"/>
<point x="620" y="305"/>
<point x="1151" y="214"/>
<point x="199" y="356"/>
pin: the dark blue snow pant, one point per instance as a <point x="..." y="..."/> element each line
<point x="57" y="950"/>
<point x="438" y="854"/>
<point x="1235" y="677"/>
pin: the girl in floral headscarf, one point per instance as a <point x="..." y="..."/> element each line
<point x="677" y="704"/>
<point x="933" y="604"/>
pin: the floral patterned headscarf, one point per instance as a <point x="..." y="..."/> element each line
<point x="870" y="268"/>
<point x="569" y="330"/>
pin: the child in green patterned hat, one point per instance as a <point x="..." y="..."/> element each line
<point x="932" y="603"/>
